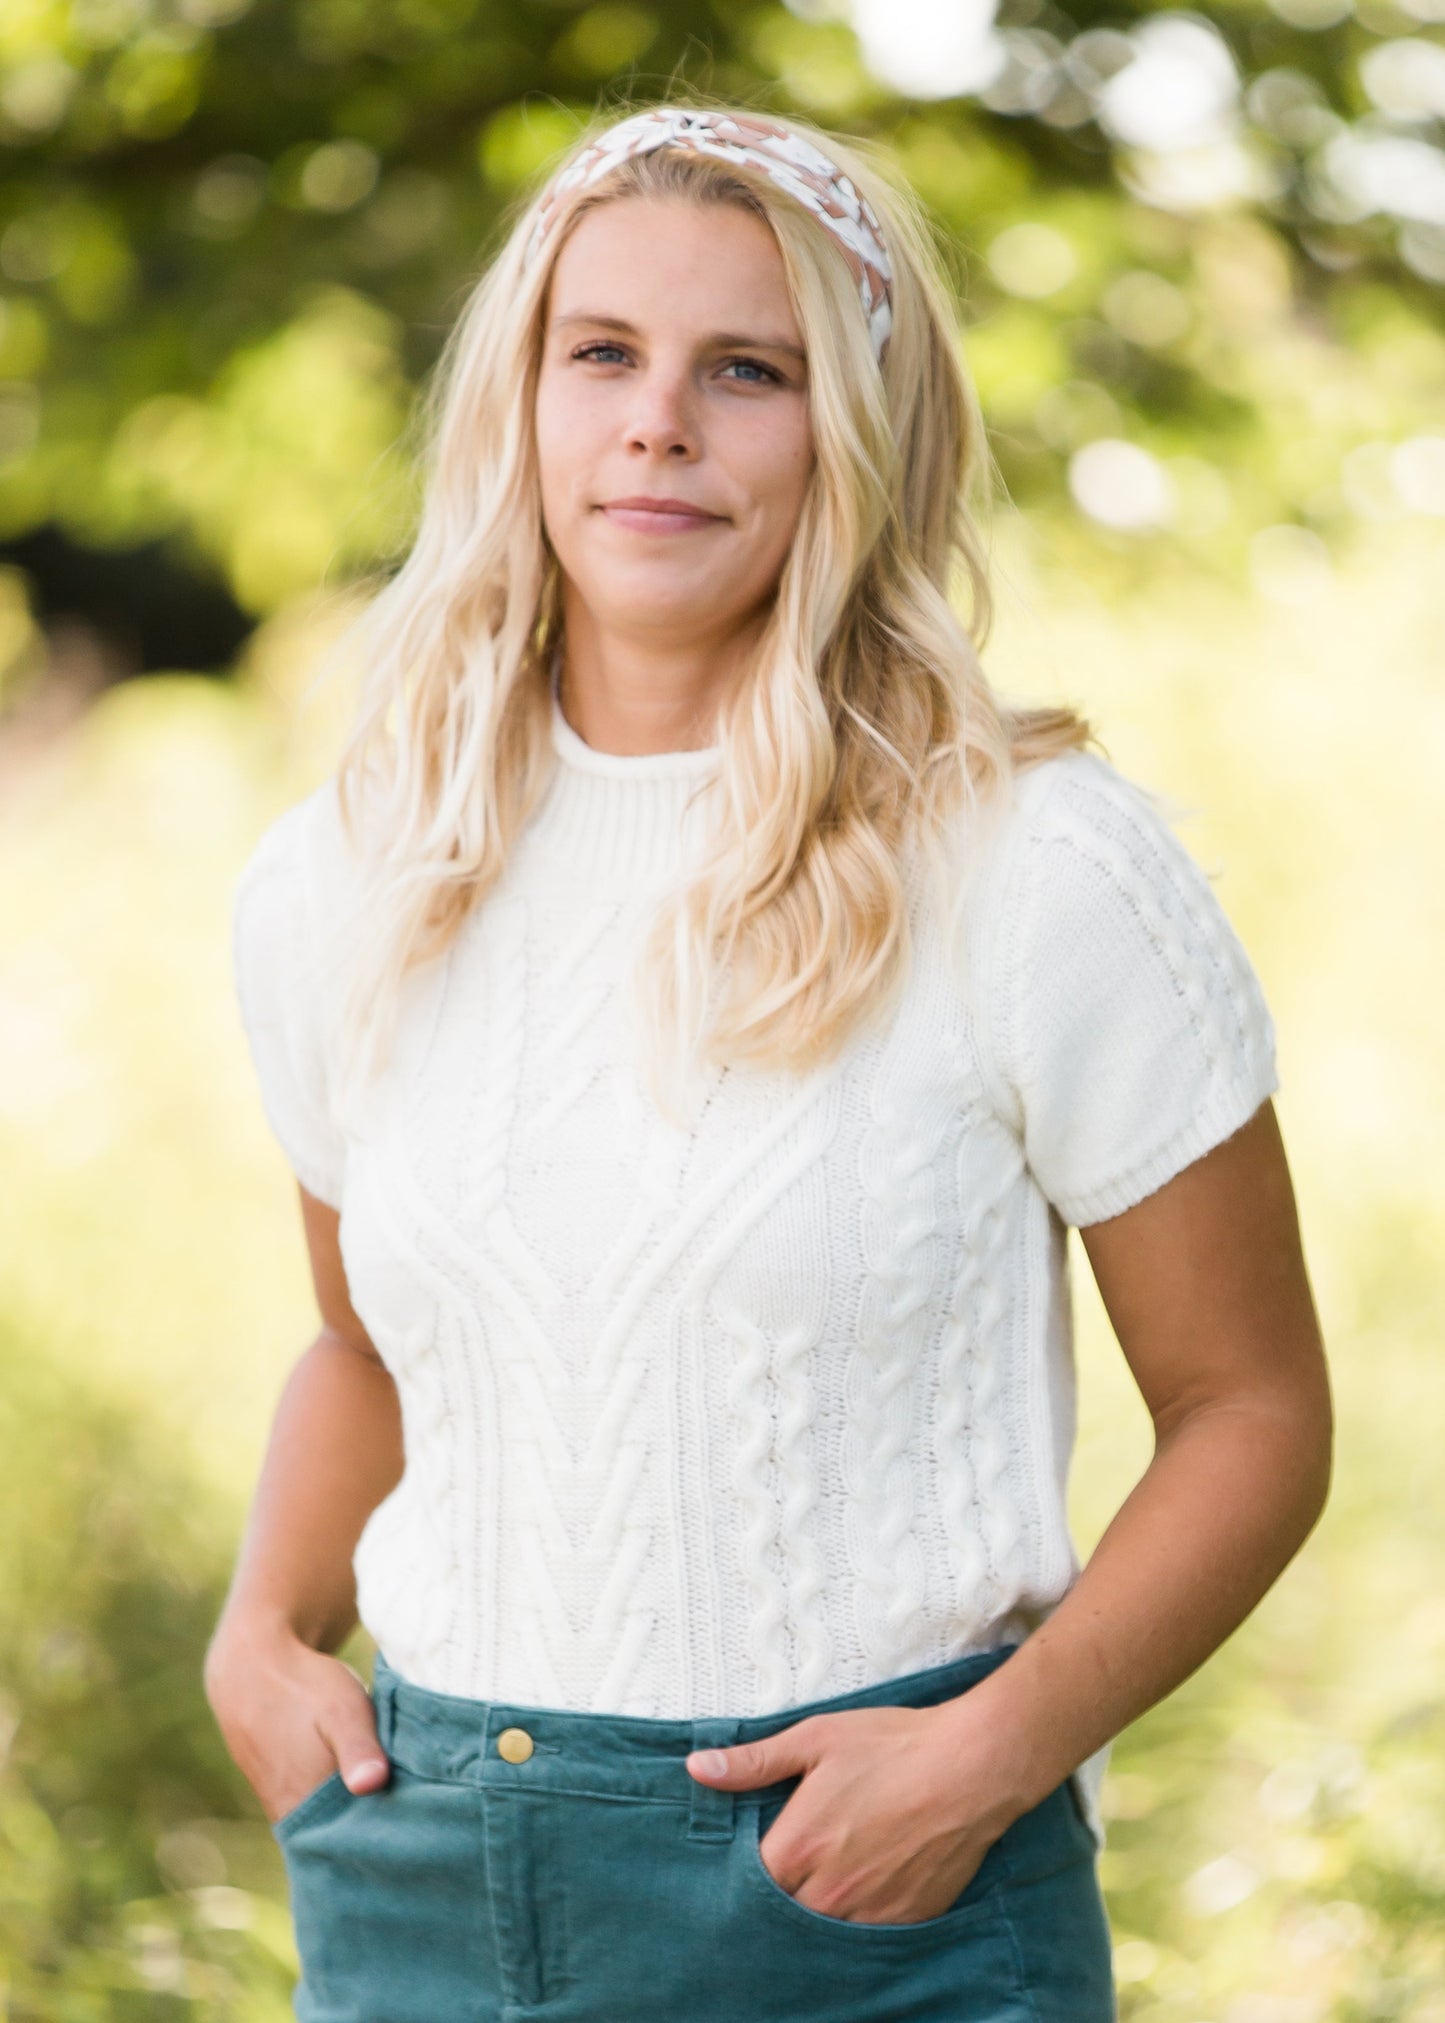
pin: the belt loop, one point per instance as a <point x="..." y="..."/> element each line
<point x="383" y="1705"/>
<point x="713" y="1810"/>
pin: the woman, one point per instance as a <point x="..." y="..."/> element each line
<point x="694" y="1015"/>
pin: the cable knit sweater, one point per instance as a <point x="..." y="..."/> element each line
<point x="727" y="1419"/>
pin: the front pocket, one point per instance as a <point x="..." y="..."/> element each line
<point x="318" y="1801"/>
<point x="975" y="1906"/>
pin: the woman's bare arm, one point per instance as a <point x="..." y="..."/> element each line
<point x="335" y="1452"/>
<point x="1205" y="1284"/>
<point x="1206" y="1287"/>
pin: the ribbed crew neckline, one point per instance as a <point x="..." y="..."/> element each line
<point x="620" y="817"/>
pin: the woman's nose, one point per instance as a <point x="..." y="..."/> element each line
<point x="662" y="414"/>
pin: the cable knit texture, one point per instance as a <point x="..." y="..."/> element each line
<point x="726" y="1419"/>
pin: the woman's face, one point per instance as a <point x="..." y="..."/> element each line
<point x="672" y="368"/>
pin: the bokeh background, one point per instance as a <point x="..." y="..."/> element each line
<point x="1200" y="254"/>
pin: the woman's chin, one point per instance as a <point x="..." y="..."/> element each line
<point x="642" y="602"/>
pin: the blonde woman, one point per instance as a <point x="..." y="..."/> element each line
<point x="694" y="1013"/>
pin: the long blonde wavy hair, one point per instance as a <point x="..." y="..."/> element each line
<point x="862" y="725"/>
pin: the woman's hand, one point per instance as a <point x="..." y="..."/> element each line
<point x="290" y="1716"/>
<point x="894" y="1815"/>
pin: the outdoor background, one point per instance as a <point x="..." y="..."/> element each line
<point x="1201" y="256"/>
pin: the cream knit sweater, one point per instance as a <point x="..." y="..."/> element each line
<point x="729" y="1419"/>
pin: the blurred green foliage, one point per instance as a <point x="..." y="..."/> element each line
<point x="132" y="1885"/>
<point x="233" y="234"/>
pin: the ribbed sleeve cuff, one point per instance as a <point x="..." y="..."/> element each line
<point x="1231" y="1108"/>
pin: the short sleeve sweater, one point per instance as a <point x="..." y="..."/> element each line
<point x="731" y="1418"/>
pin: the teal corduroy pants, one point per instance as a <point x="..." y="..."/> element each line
<point x="534" y="1863"/>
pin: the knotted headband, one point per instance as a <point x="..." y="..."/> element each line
<point x="793" y="163"/>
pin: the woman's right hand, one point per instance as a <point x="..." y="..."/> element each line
<point x="291" y="1716"/>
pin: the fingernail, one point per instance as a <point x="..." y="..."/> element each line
<point x="364" y="1769"/>
<point x="708" y="1763"/>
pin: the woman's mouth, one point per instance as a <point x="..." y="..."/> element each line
<point x="659" y="516"/>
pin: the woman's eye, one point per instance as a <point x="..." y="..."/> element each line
<point x="757" y="365"/>
<point x="590" y="351"/>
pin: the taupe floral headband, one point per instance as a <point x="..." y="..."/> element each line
<point x="794" y="164"/>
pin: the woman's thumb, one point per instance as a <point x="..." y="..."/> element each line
<point x="748" y="1764"/>
<point x="359" y="1756"/>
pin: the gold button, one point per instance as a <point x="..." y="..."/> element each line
<point x="515" y="1744"/>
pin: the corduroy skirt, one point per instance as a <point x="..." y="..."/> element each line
<point x="529" y="1862"/>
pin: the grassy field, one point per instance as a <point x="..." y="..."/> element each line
<point x="1277" y="1836"/>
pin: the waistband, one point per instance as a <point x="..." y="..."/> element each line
<point x="625" y="1757"/>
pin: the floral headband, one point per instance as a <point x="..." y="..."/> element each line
<point x="794" y="164"/>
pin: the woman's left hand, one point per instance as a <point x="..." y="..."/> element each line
<point x="897" y="1808"/>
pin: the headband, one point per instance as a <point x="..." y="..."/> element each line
<point x="793" y="163"/>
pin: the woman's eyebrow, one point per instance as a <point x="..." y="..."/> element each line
<point x="717" y="337"/>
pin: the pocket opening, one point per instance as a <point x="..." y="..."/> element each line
<point x="318" y="1796"/>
